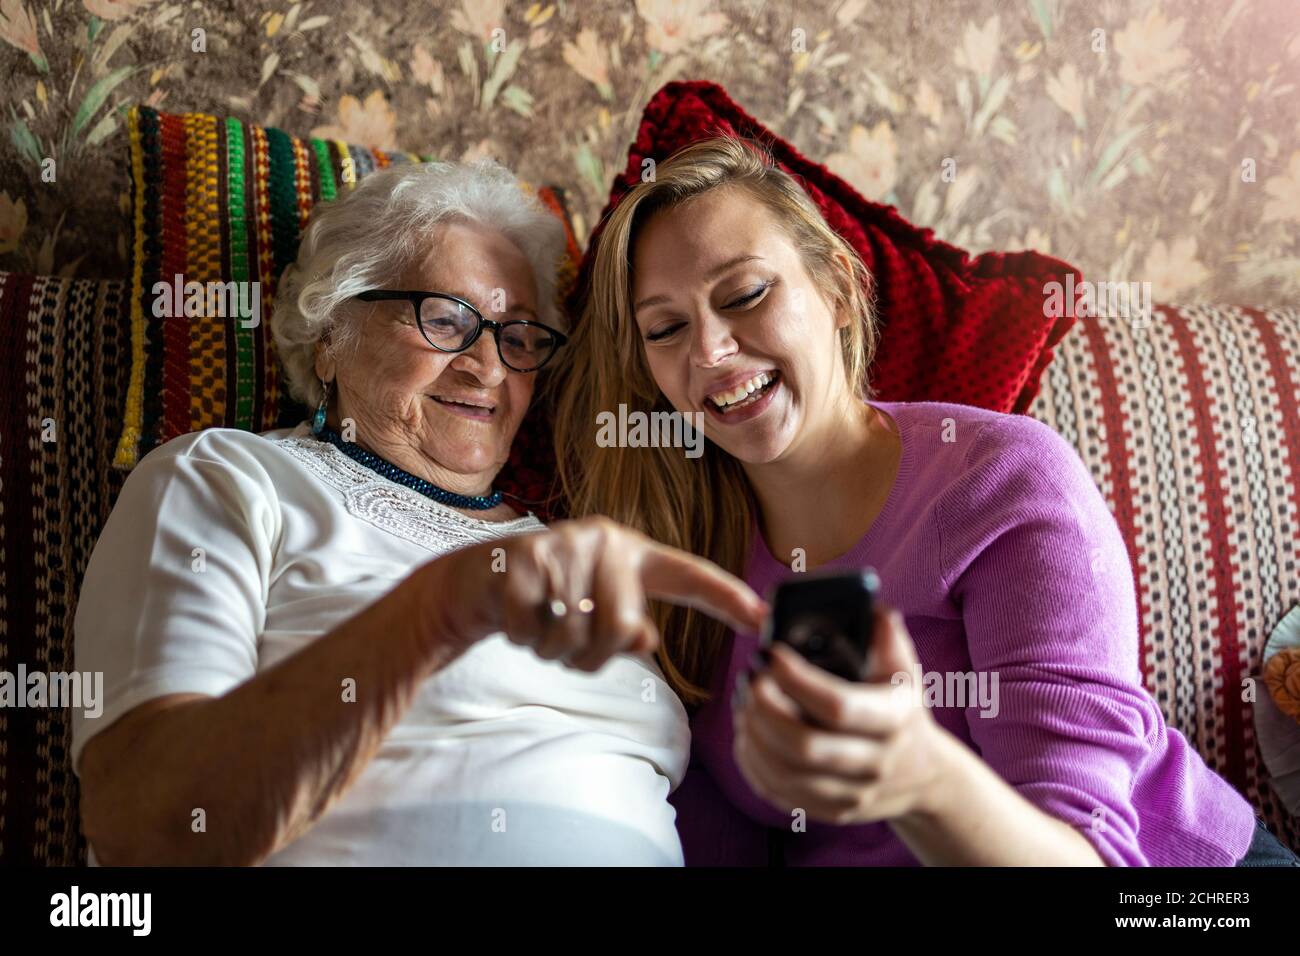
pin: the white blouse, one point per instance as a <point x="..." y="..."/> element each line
<point x="228" y="551"/>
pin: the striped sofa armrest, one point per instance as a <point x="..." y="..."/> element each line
<point x="1190" y="424"/>
<point x="65" y="359"/>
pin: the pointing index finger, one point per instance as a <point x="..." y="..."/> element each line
<point x="684" y="579"/>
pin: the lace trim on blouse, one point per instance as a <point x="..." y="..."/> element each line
<point x="395" y="508"/>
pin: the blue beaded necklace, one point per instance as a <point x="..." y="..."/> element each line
<point x="393" y="473"/>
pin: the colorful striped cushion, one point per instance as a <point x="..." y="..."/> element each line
<point x="1191" y="428"/>
<point x="221" y="200"/>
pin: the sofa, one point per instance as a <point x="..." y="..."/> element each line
<point x="1189" y="421"/>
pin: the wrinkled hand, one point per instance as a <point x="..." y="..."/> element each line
<point x="601" y="573"/>
<point x="844" y="752"/>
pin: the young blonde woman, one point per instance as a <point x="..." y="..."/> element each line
<point x="718" y="289"/>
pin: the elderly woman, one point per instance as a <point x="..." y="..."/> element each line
<point x="336" y="644"/>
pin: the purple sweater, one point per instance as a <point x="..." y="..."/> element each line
<point x="1004" y="559"/>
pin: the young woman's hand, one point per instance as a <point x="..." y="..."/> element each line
<point x="842" y="752"/>
<point x="577" y="591"/>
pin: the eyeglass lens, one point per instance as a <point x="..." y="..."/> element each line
<point x="449" y="325"/>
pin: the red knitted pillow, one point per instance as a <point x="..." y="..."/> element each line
<point x="953" y="328"/>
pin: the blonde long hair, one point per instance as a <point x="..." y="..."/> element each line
<point x="704" y="505"/>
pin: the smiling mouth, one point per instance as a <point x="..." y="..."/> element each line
<point x="465" y="407"/>
<point x="745" y="394"/>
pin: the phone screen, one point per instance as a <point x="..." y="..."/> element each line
<point x="828" y="618"/>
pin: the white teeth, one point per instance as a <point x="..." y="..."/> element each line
<point x="463" y="404"/>
<point x="723" y="399"/>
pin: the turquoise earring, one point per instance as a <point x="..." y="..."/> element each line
<point x="318" y="420"/>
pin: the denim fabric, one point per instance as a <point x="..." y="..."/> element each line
<point x="1267" y="850"/>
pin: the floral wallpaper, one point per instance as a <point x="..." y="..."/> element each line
<point x="1142" y="140"/>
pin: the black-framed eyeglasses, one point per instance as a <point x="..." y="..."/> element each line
<point x="450" y="324"/>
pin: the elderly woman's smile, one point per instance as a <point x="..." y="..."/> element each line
<point x="478" y="409"/>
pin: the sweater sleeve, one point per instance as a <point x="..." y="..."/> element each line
<point x="1036" y="563"/>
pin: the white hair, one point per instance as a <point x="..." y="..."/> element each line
<point x="369" y="237"/>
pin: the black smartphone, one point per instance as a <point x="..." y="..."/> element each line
<point x="828" y="618"/>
